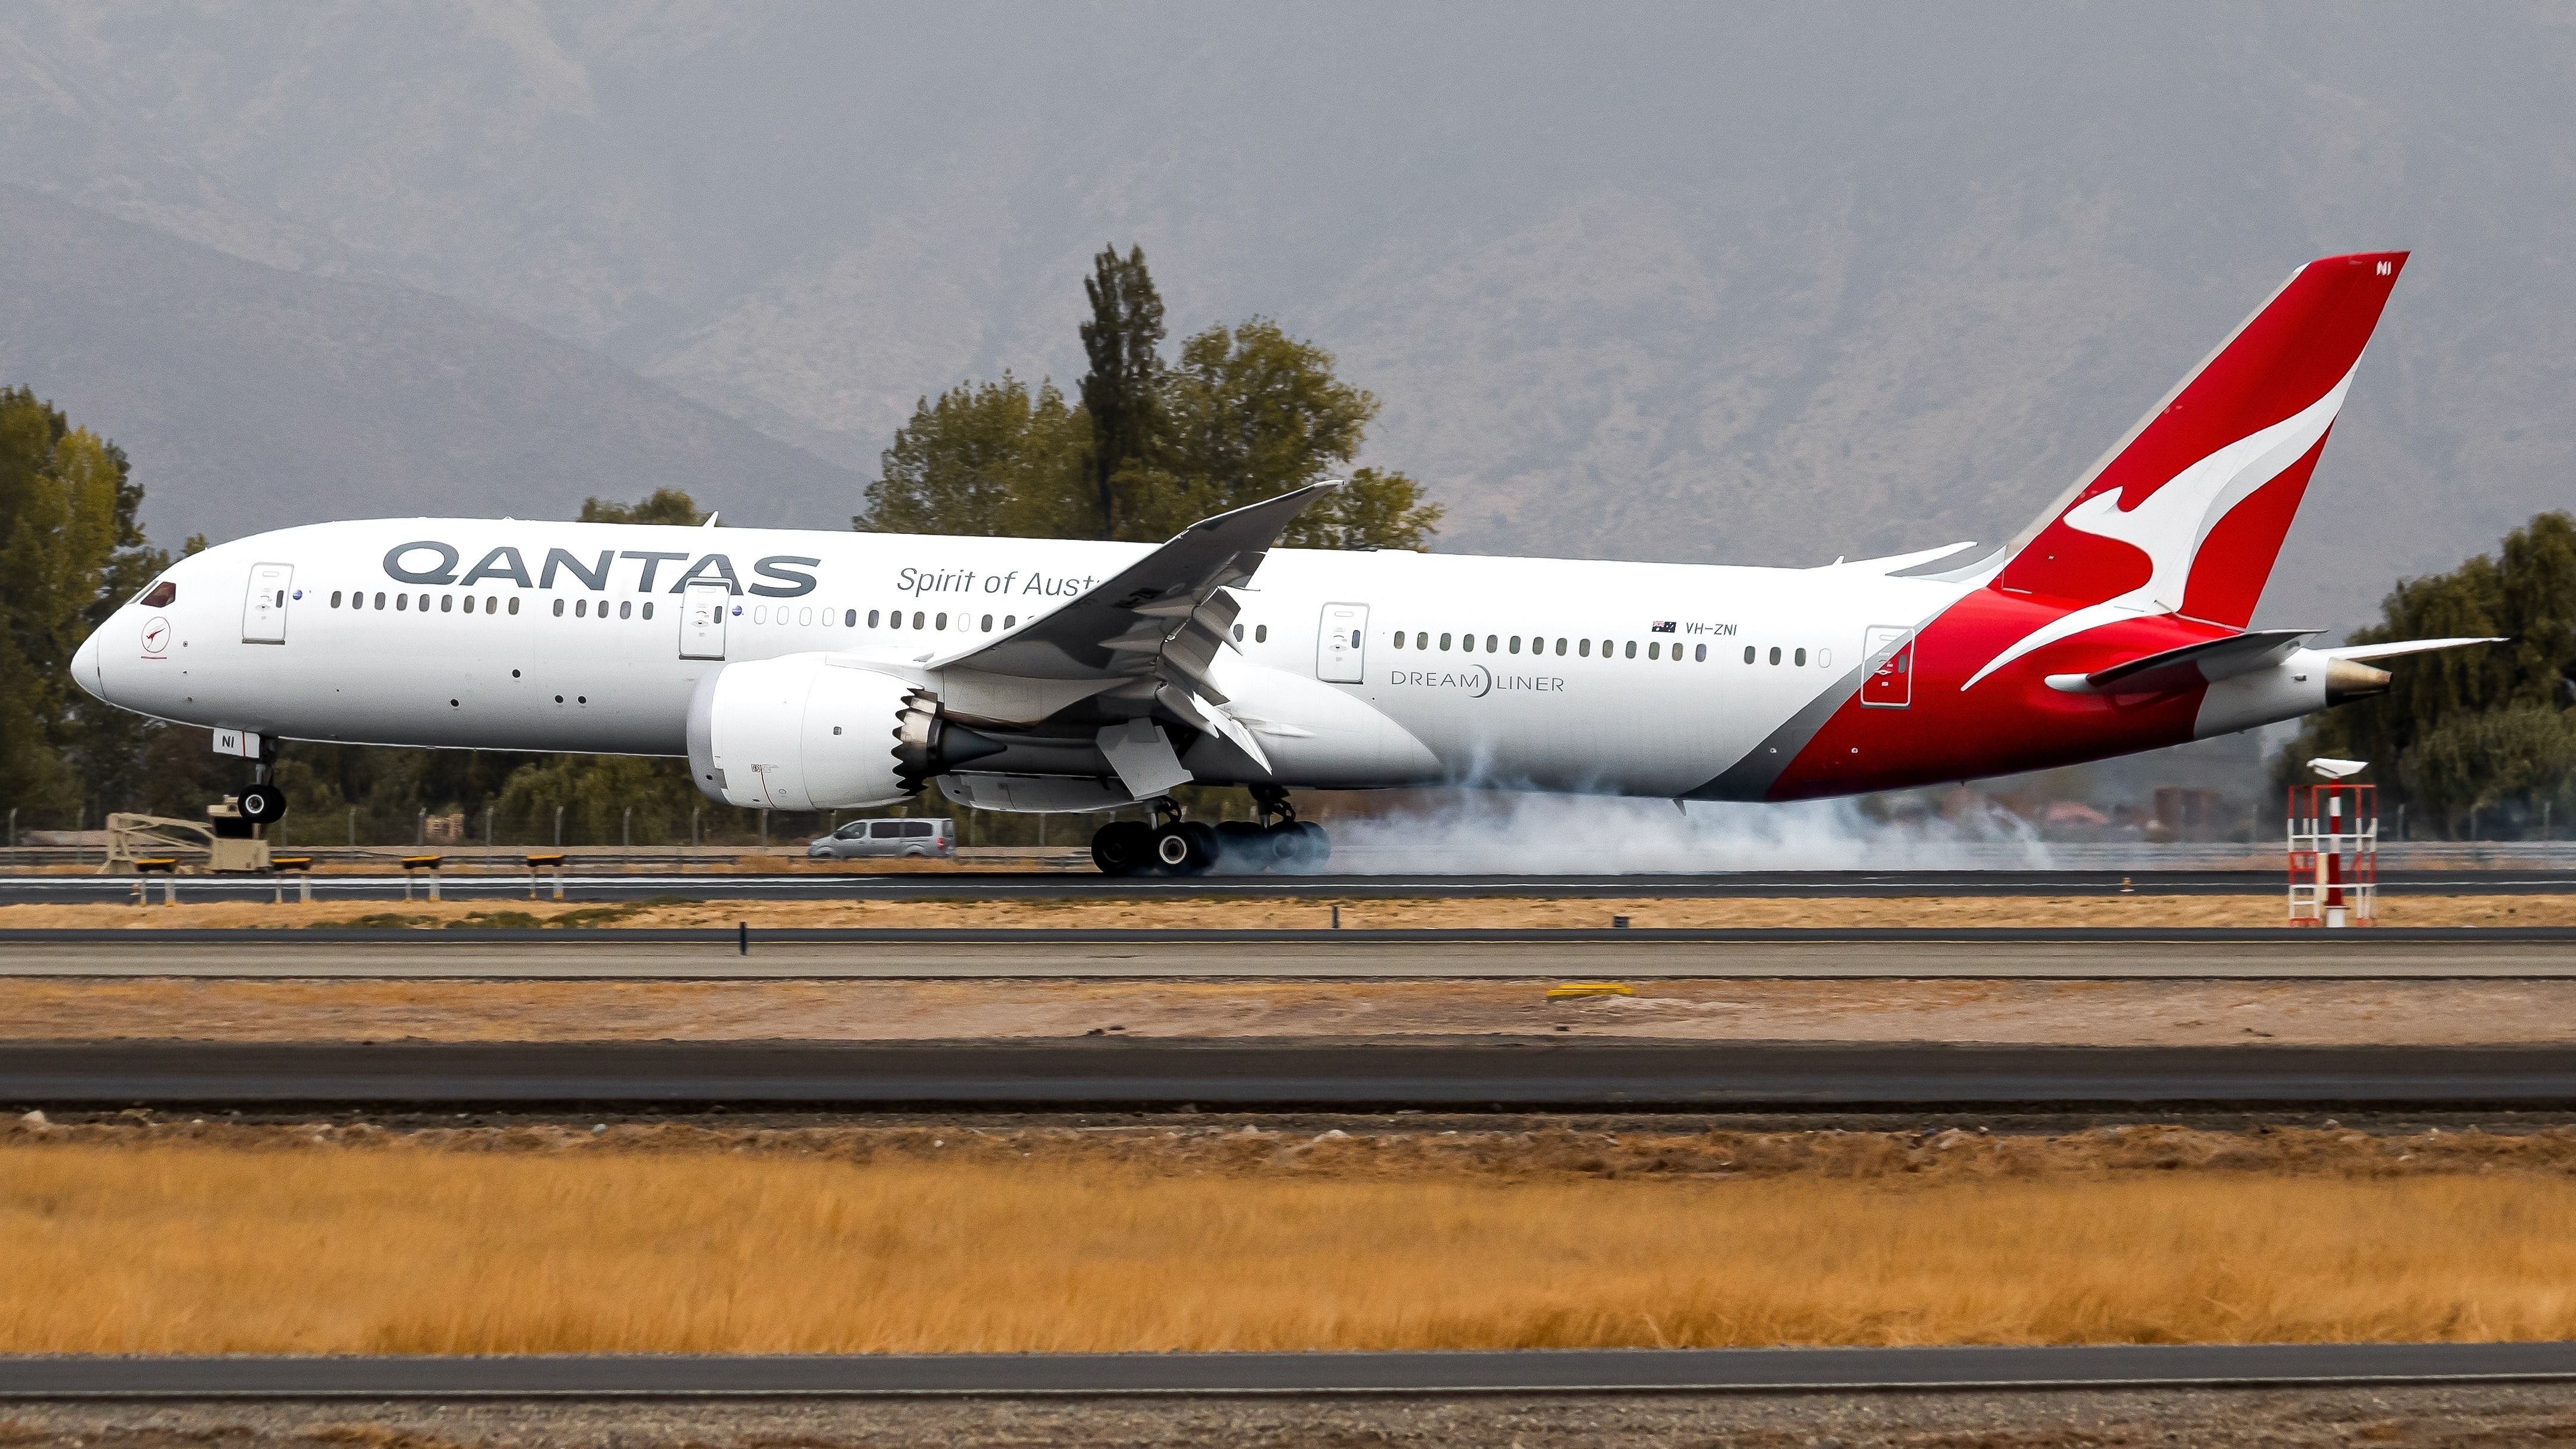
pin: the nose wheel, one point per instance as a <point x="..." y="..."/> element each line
<point x="261" y="804"/>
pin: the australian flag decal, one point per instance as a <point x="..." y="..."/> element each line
<point x="1666" y="626"/>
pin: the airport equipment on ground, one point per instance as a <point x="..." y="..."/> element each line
<point x="2334" y="854"/>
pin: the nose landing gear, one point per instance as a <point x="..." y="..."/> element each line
<point x="261" y="802"/>
<point x="1171" y="845"/>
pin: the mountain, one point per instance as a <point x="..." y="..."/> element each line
<point x="251" y="397"/>
<point x="1666" y="281"/>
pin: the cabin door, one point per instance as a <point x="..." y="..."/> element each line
<point x="1341" y="649"/>
<point x="264" y="611"/>
<point x="702" y="620"/>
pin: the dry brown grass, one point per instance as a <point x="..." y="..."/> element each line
<point x="178" y="1248"/>
<point x="1216" y="913"/>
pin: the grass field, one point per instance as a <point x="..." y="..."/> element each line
<point x="172" y="1247"/>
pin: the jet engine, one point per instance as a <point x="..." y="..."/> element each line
<point x="807" y="732"/>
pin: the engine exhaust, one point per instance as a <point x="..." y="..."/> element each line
<point x="2347" y="681"/>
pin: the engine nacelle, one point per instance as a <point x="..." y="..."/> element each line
<point x="806" y="733"/>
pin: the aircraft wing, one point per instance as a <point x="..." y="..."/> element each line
<point x="1148" y="634"/>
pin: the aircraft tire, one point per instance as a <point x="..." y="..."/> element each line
<point x="1185" y="847"/>
<point x="1319" y="846"/>
<point x="1122" y="847"/>
<point x="262" y="804"/>
<point x="1243" y="846"/>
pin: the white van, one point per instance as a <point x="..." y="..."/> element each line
<point x="863" y="839"/>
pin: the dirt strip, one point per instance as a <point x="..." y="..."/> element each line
<point x="2433" y="1417"/>
<point x="2075" y="1013"/>
<point x="1644" y="912"/>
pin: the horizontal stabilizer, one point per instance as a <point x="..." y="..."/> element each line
<point x="2190" y="666"/>
<point x="2403" y="646"/>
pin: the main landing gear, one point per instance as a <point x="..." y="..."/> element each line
<point x="1171" y="845"/>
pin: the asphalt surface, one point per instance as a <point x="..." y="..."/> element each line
<point x="2274" y="954"/>
<point x="1555" y="1073"/>
<point x="1567" y="1371"/>
<point x="999" y="885"/>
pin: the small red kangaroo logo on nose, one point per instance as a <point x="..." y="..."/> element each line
<point x="155" y="633"/>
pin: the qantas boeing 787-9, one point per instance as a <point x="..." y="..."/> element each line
<point x="802" y="670"/>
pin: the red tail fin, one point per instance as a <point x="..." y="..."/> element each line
<point x="2187" y="513"/>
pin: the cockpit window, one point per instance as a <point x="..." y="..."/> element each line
<point x="160" y="594"/>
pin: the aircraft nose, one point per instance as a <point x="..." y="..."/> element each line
<point x="85" y="667"/>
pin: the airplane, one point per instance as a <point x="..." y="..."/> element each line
<point x="810" y="670"/>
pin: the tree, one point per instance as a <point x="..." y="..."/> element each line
<point x="666" y="505"/>
<point x="1250" y="413"/>
<point x="1123" y="342"/>
<point x="71" y="549"/>
<point x="2470" y="729"/>
<point x="989" y="460"/>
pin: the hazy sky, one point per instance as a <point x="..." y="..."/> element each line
<point x="1756" y="284"/>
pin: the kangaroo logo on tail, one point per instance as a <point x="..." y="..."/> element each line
<point x="2186" y="515"/>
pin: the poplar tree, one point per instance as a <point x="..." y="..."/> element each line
<point x="1119" y="394"/>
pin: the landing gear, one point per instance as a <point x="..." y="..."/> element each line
<point x="1122" y="847"/>
<point x="262" y="804"/>
<point x="1171" y="845"/>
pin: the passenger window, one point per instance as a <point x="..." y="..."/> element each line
<point x="1238" y="633"/>
<point x="1399" y="638"/>
<point x="401" y="602"/>
<point x="1260" y="633"/>
<point x="1560" y="648"/>
<point x="1655" y="650"/>
<point x="1467" y="643"/>
<point x="1010" y="621"/>
<point x="1699" y="654"/>
<point x="514" y="603"/>
<point x="1516" y="643"/>
<point x="1748" y="653"/>
<point x="849" y="618"/>
<point x="447" y="603"/>
<point x="625" y="611"/>
<point x="916" y="618"/>
<point x="424" y="603"/>
<point x="988" y="627"/>
<point x="163" y="592"/>
<point x="1775" y="653"/>
<point x="1802" y="659"/>
<point x="335" y="598"/>
<point x="1584" y="648"/>
<point x="941" y="622"/>
<point x="1444" y="643"/>
<point x="1632" y="648"/>
<point x="1489" y="643"/>
<point x="559" y="608"/>
<point x="1421" y="641"/>
<point x="380" y="601"/>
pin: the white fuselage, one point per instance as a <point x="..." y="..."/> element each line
<point x="497" y="634"/>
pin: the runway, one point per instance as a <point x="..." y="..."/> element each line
<point x="1555" y="1073"/>
<point x="2104" y="955"/>
<point x="999" y="885"/>
<point x="1098" y="1375"/>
